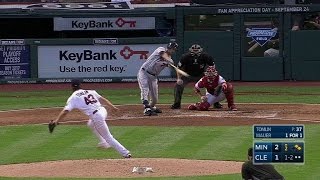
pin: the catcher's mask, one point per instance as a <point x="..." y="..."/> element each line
<point x="211" y="72"/>
<point x="195" y="50"/>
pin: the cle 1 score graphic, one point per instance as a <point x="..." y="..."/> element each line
<point x="278" y="152"/>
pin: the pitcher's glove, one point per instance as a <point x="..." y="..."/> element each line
<point x="51" y="126"/>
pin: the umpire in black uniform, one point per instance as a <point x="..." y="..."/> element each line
<point x="194" y="63"/>
<point x="250" y="171"/>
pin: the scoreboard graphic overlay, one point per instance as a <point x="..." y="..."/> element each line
<point x="278" y="144"/>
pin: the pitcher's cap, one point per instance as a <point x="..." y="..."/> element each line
<point x="75" y="83"/>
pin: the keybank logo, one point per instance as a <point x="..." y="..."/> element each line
<point x="87" y="55"/>
<point x="261" y="35"/>
<point x="91" y="24"/>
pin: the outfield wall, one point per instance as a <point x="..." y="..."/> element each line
<point x="54" y="45"/>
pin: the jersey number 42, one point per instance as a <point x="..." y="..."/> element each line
<point x="90" y="99"/>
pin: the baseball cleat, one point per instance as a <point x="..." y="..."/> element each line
<point x="128" y="156"/>
<point x="217" y="105"/>
<point x="149" y="112"/>
<point x="157" y="110"/>
<point x="176" y="106"/>
<point x="233" y="108"/>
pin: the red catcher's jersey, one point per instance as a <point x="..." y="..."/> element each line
<point x="208" y="83"/>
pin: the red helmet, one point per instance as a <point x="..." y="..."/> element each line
<point x="211" y="72"/>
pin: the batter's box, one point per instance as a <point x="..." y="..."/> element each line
<point x="241" y="114"/>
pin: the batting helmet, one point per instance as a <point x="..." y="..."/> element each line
<point x="195" y="49"/>
<point x="172" y="45"/>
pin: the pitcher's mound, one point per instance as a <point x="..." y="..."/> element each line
<point x="117" y="168"/>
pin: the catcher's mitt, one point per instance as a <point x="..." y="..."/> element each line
<point x="51" y="126"/>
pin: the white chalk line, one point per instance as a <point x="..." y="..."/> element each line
<point x="234" y="115"/>
<point x="182" y="116"/>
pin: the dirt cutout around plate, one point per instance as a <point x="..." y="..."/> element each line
<point x="118" y="168"/>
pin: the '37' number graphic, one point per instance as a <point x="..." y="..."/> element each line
<point x="90" y="99"/>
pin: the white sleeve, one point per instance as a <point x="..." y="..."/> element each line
<point x="171" y="61"/>
<point x="95" y="94"/>
<point x="70" y="105"/>
<point x="160" y="49"/>
<point x="199" y="85"/>
<point x="221" y="80"/>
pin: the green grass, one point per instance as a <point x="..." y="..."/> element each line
<point x="243" y="94"/>
<point x="32" y="143"/>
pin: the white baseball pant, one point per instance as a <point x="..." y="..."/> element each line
<point x="213" y="99"/>
<point x="149" y="87"/>
<point x="101" y="130"/>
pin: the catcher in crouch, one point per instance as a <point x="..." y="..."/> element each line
<point x="217" y="89"/>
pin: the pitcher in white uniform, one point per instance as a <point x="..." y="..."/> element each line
<point x="148" y="76"/>
<point x="88" y="102"/>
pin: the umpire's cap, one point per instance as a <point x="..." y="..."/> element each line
<point x="75" y="83"/>
<point x="172" y="45"/>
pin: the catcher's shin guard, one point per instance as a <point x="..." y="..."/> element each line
<point x="203" y="106"/>
<point x="192" y="107"/>
<point x="229" y="93"/>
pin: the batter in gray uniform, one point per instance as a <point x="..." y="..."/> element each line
<point x="148" y="77"/>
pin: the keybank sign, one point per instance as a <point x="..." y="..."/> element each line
<point x="92" y="61"/>
<point x="120" y="23"/>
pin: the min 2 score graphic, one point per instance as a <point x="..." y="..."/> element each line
<point x="278" y="144"/>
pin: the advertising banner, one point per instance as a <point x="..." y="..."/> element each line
<point x="118" y="23"/>
<point x="14" y="61"/>
<point x="90" y="61"/>
<point x="123" y="5"/>
<point x="94" y="6"/>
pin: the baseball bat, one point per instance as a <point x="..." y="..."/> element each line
<point x="179" y="70"/>
<point x="253" y="47"/>
<point x="250" y="42"/>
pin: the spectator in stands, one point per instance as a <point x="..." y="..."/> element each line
<point x="312" y="22"/>
<point x="297" y="22"/>
<point x="273" y="44"/>
<point x="306" y="22"/>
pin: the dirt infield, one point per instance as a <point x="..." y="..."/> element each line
<point x="131" y="115"/>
